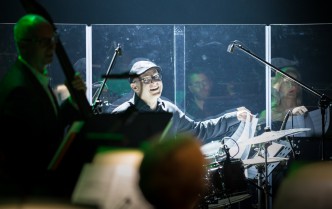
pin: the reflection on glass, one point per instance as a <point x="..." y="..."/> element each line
<point x="217" y="81"/>
<point x="286" y="94"/>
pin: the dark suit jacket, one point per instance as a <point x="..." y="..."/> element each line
<point x="31" y="131"/>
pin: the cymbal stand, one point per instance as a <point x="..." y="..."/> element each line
<point x="266" y="186"/>
<point x="259" y="185"/>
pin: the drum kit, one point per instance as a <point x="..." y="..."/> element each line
<point x="225" y="179"/>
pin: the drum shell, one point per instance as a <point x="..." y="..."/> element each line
<point x="226" y="183"/>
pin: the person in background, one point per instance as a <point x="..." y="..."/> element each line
<point x="172" y="172"/>
<point x="33" y="124"/>
<point x="286" y="94"/>
<point x="199" y="87"/>
<point x="200" y="102"/>
<point x="146" y="82"/>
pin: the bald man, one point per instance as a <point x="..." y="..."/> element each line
<point x="33" y="123"/>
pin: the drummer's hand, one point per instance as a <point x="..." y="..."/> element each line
<point x="242" y="113"/>
<point x="299" y="110"/>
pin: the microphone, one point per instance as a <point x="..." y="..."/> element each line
<point x="118" y="50"/>
<point x="230" y="47"/>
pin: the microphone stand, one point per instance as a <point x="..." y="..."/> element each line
<point x="283" y="125"/>
<point x="96" y="103"/>
<point x="324" y="101"/>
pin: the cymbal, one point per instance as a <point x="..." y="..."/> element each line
<point x="260" y="160"/>
<point x="273" y="135"/>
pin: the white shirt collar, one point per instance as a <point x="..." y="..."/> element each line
<point x="42" y="78"/>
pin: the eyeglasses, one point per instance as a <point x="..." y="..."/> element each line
<point x="148" y="79"/>
<point x="45" y="42"/>
<point x="200" y="84"/>
<point x="289" y="83"/>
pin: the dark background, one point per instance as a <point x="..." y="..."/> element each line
<point x="177" y="11"/>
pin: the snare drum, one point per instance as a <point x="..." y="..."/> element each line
<point x="226" y="184"/>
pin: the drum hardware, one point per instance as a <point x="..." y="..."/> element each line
<point x="226" y="184"/>
<point x="225" y="179"/>
<point x="263" y="188"/>
<point x="269" y="136"/>
<point x="265" y="139"/>
<point x="260" y="160"/>
<point x="214" y="151"/>
<point x="212" y="147"/>
<point x="266" y="186"/>
<point x="221" y="168"/>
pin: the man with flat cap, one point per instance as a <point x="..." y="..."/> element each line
<point x="146" y="82"/>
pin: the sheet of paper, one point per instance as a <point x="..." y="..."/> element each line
<point x="93" y="184"/>
<point x="245" y="131"/>
<point x="109" y="187"/>
<point x="124" y="191"/>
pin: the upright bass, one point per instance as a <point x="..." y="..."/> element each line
<point x="31" y="6"/>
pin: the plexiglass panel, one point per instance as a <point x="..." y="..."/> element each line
<point x="7" y="48"/>
<point x="154" y="42"/>
<point x="73" y="39"/>
<point x="236" y="79"/>
<point x="306" y="48"/>
<point x="71" y="36"/>
<point x="180" y="48"/>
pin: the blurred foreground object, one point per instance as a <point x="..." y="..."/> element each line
<point x="172" y="173"/>
<point x="308" y="187"/>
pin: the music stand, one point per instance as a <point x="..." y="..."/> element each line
<point x="123" y="130"/>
